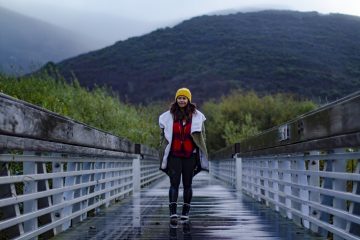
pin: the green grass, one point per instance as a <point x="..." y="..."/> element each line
<point x="99" y="107"/>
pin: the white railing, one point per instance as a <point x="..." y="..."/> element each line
<point x="225" y="170"/>
<point x="319" y="191"/>
<point x="308" y="169"/>
<point x="55" y="172"/>
<point x="44" y="194"/>
<point x="150" y="171"/>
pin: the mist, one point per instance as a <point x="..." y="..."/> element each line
<point x="105" y="22"/>
<point x="105" y="29"/>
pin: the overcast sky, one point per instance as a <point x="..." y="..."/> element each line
<point x="112" y="20"/>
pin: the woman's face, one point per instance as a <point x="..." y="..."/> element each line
<point x="182" y="101"/>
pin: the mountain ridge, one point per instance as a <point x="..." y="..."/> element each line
<point x="268" y="52"/>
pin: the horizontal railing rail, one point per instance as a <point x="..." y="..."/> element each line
<point x="225" y="170"/>
<point x="149" y="170"/>
<point x="306" y="169"/>
<point x="56" y="172"/>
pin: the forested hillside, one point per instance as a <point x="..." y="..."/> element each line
<point x="305" y="53"/>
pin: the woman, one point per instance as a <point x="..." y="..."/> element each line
<point x="182" y="149"/>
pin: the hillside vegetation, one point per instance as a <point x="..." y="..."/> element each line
<point x="312" y="55"/>
<point x="243" y="114"/>
<point x="99" y="108"/>
<point x="229" y="119"/>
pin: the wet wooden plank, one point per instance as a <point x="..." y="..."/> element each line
<point x="217" y="213"/>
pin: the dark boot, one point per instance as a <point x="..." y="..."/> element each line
<point x="173" y="215"/>
<point x="185" y="212"/>
<point x="186" y="229"/>
<point x="172" y="208"/>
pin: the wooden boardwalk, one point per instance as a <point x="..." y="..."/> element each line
<point x="217" y="213"/>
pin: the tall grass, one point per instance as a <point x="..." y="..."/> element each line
<point x="99" y="107"/>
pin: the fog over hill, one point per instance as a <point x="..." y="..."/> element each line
<point x="27" y="43"/>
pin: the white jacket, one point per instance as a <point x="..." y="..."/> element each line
<point x="166" y="122"/>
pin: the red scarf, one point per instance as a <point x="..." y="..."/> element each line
<point x="182" y="142"/>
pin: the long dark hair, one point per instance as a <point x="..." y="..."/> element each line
<point x="182" y="113"/>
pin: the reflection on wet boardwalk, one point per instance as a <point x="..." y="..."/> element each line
<point x="217" y="213"/>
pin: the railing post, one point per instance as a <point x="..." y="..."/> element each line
<point x="136" y="174"/>
<point x="85" y="191"/>
<point x="266" y="181"/>
<point x="30" y="186"/>
<point x="303" y="193"/>
<point x="108" y="165"/>
<point x="314" y="196"/>
<point x="8" y="190"/>
<point x="136" y="169"/>
<point x="339" y="165"/>
<point x="287" y="188"/>
<point x="244" y="176"/>
<point x="252" y="178"/>
<point x="275" y="177"/>
<point x="45" y="202"/>
<point x="238" y="166"/>
<point x="57" y="167"/>
<point x="97" y="177"/>
<point x="354" y="206"/>
<point x="69" y="195"/>
<point x="325" y="199"/>
<point x="258" y="179"/>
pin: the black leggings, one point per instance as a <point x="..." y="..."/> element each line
<point x="177" y="167"/>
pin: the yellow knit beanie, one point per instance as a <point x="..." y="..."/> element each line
<point x="183" y="92"/>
